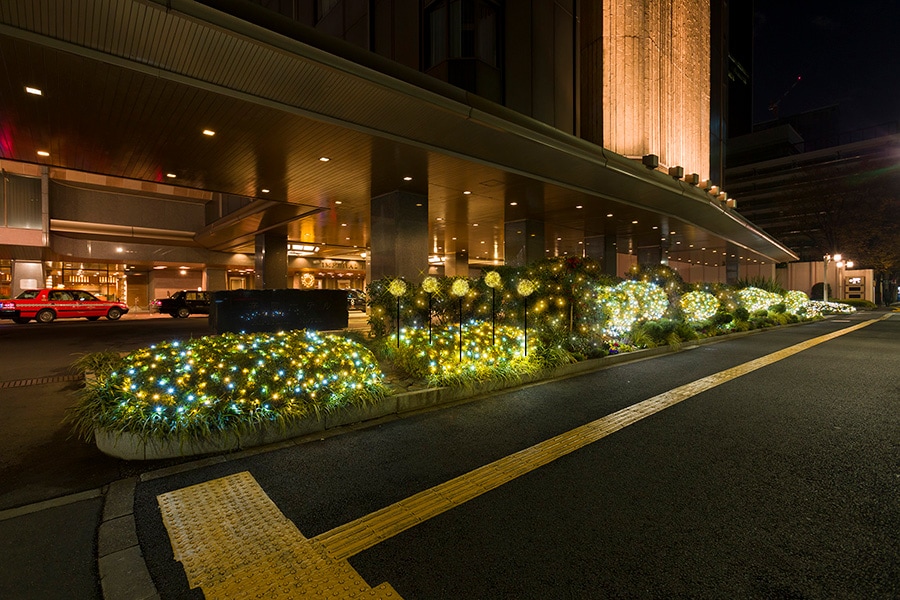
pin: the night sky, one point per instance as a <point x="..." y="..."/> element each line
<point x="846" y="52"/>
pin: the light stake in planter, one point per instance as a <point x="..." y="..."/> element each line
<point x="431" y="286"/>
<point x="525" y="288"/>
<point x="397" y="288"/>
<point x="459" y="289"/>
<point x="493" y="281"/>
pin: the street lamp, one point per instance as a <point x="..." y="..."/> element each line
<point x="839" y="263"/>
<point x="827" y="259"/>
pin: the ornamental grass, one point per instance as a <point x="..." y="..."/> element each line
<point x="233" y="383"/>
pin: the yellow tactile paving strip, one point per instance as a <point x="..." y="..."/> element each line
<point x="235" y="543"/>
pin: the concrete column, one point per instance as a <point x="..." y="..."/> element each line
<point x="732" y="266"/>
<point x="649" y="256"/>
<point x="457" y="264"/>
<point x="523" y="242"/>
<point x="271" y="261"/>
<point x="26" y="275"/>
<point x="610" y="255"/>
<point x="215" y="279"/>
<point x="399" y="235"/>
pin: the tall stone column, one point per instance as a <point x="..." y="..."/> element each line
<point x="215" y="279"/>
<point x="523" y="242"/>
<point x="400" y="235"/>
<point x="732" y="265"/>
<point x="271" y="261"/>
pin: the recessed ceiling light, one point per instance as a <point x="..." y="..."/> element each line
<point x="513" y="203"/>
<point x="439" y="219"/>
<point x="338" y="202"/>
<point x="579" y="206"/>
<point x="407" y="178"/>
<point x="171" y="175"/>
<point x="265" y="191"/>
<point x="34" y="91"/>
<point x="467" y="192"/>
<point x="209" y="132"/>
<point x="43" y="153"/>
<point x="634" y="222"/>
<point x="418" y="204"/>
<point x="343" y="224"/>
<point x="324" y="158"/>
<point x="474" y="224"/>
<point x="159" y="267"/>
<point x="609" y="215"/>
<point x="655" y="227"/>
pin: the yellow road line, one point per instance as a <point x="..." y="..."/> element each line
<point x="365" y="532"/>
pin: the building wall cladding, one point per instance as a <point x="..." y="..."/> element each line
<point x="97" y="206"/>
<point x="630" y="75"/>
<point x="655" y="80"/>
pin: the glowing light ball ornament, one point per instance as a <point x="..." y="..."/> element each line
<point x="795" y="302"/>
<point x="699" y="306"/>
<point x="525" y="288"/>
<point x="754" y="299"/>
<point x="459" y="289"/>
<point x="397" y="288"/>
<point x="492" y="280"/>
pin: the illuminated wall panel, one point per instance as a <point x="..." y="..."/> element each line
<point x="655" y="77"/>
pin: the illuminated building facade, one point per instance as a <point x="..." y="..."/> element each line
<point x="346" y="140"/>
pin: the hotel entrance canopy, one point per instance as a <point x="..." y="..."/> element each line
<point x="129" y="87"/>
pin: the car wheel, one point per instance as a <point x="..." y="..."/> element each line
<point x="20" y="320"/>
<point x="184" y="312"/>
<point x="113" y="314"/>
<point x="92" y="318"/>
<point x="45" y="316"/>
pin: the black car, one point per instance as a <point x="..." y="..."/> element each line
<point x="184" y="303"/>
<point x="356" y="300"/>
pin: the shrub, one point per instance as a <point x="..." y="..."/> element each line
<point x="227" y="383"/>
<point x="741" y="314"/>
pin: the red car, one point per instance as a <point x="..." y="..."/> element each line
<point x="47" y="305"/>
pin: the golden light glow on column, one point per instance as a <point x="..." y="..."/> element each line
<point x="656" y="79"/>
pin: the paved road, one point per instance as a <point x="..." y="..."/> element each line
<point x="783" y="482"/>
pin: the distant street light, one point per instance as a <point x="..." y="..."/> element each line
<point x="839" y="263"/>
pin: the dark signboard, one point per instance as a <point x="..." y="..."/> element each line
<point x="253" y="311"/>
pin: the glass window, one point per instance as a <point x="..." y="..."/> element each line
<point x="461" y="29"/>
<point x="487" y="34"/>
<point x="436" y="34"/>
<point x="323" y="7"/>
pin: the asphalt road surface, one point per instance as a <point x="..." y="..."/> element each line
<point x="778" y="482"/>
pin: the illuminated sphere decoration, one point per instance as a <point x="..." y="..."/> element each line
<point x="460" y="287"/>
<point x="754" y="299"/>
<point x="397" y="287"/>
<point x="526" y="287"/>
<point x="492" y="280"/>
<point x="430" y="285"/>
<point x="795" y="302"/>
<point x="699" y="306"/>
